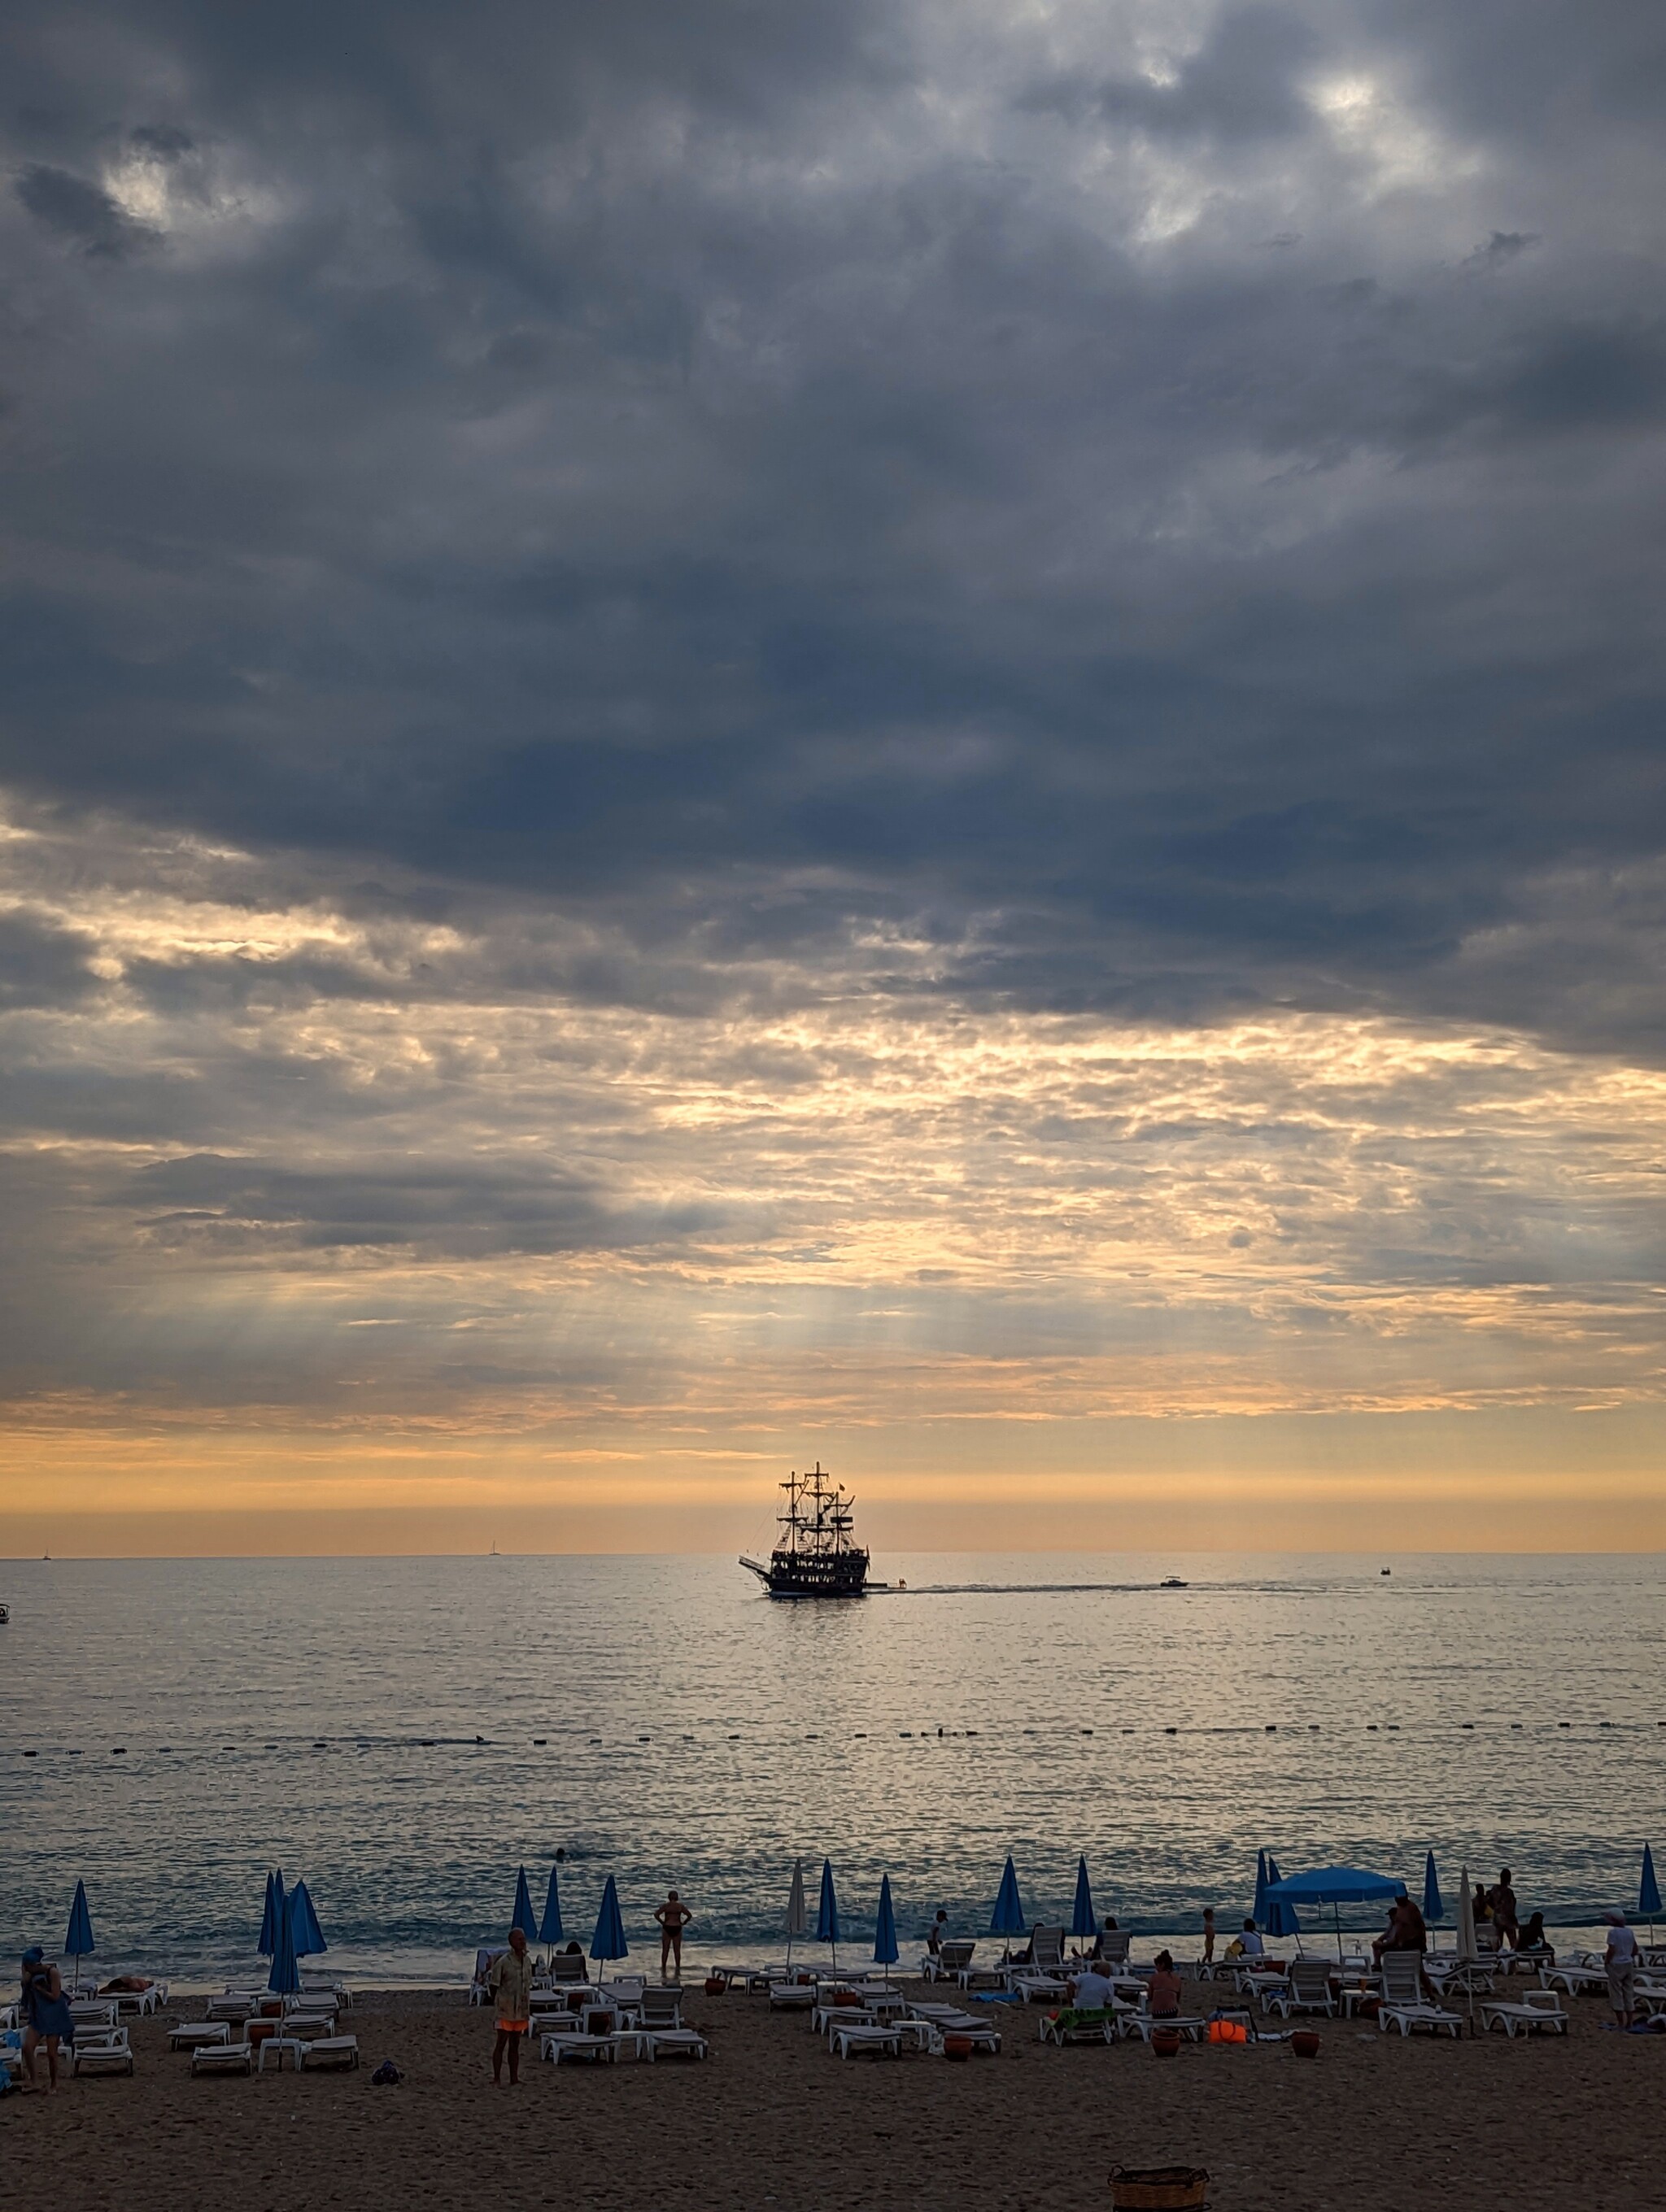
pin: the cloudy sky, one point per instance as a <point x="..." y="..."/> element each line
<point x="928" y="733"/>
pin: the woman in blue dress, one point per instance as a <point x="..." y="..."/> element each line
<point x="46" y="2015"/>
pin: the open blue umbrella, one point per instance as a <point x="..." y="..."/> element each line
<point x="885" y="1927"/>
<point x="608" y="1940"/>
<point x="79" y="1939"/>
<point x="285" y="1979"/>
<point x="1434" y="1909"/>
<point x="1282" y="1917"/>
<point x="1007" y="1919"/>
<point x="523" y="1916"/>
<point x="549" y="1928"/>
<point x="1648" y="1894"/>
<point x="1335" y="1887"/>
<point x="1082" y="1920"/>
<point x="827" y="1913"/>
<point x="274" y="1906"/>
<point x="307" y="1935"/>
<point x="1258" y="1909"/>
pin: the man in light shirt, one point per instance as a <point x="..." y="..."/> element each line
<point x="511" y="1983"/>
<point x="1621" y="1960"/>
<point x="1091" y="1992"/>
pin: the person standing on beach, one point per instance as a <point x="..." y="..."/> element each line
<point x="45" y="2015"/>
<point x="1208" y="1934"/>
<point x="673" y="1917"/>
<point x="511" y="1983"/>
<point x="1501" y="1904"/>
<point x="1621" y="1960"/>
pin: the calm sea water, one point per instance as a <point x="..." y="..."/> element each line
<point x="404" y="1733"/>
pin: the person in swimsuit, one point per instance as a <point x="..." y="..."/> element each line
<point x="673" y="1917"/>
<point x="1165" y="1992"/>
<point x="46" y="2014"/>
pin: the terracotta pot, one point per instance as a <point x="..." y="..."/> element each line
<point x="957" y="2047"/>
<point x="1304" y="2043"/>
<point x="1165" y="2043"/>
<point x="715" y="1985"/>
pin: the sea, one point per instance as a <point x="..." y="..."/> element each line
<point x="406" y="1733"/>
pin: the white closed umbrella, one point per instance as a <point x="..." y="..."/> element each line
<point x="1466" y="1946"/>
<point x="798" y="1919"/>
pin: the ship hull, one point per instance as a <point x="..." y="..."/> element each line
<point x="842" y="1574"/>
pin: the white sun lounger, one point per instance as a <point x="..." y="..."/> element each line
<point x="671" y="2042"/>
<point x="106" y="2053"/>
<point x="222" y="2058"/>
<point x="1538" y="2011"/>
<point x="792" y="1997"/>
<point x="1408" y="2017"/>
<point x="194" y="2034"/>
<point x="884" y="2042"/>
<point x="331" y="2050"/>
<point x="1308" y="1989"/>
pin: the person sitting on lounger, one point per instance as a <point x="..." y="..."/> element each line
<point x="1406" y="1930"/>
<point x="1100" y="1947"/>
<point x="1165" y="1991"/>
<point x="1091" y="1991"/>
<point x="1247" y="1944"/>
<point x="1533" y="1939"/>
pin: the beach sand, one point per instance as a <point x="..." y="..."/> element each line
<point x="772" y="2120"/>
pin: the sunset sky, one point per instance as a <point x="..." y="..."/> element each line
<point x="928" y="735"/>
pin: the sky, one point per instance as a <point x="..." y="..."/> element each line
<point x="924" y="735"/>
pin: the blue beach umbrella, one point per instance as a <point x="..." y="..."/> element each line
<point x="523" y="1917"/>
<point x="1281" y="1918"/>
<point x="1335" y="1887"/>
<point x="549" y="1928"/>
<point x="827" y="1913"/>
<point x="885" y="1927"/>
<point x="307" y="1935"/>
<point x="285" y="1979"/>
<point x="608" y="1940"/>
<point x="1648" y="1894"/>
<point x="79" y="1939"/>
<point x="269" y="1917"/>
<point x="1082" y="1920"/>
<point x="1433" y="1908"/>
<point x="1007" y="1919"/>
<point x="1258" y="1909"/>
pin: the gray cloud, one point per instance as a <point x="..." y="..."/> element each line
<point x="77" y="210"/>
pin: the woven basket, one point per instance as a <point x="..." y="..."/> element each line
<point x="1158" y="2188"/>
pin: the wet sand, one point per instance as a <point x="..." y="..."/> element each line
<point x="772" y="2120"/>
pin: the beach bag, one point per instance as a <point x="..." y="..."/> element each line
<point x="386" y="2074"/>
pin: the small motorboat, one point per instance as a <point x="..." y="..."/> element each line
<point x="1174" y="1583"/>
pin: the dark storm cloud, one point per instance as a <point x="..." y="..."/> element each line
<point x="676" y="466"/>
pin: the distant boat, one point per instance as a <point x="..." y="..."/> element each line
<point x="1388" y="1570"/>
<point x="817" y="1557"/>
<point x="1174" y="1583"/>
<point x="5" y="1614"/>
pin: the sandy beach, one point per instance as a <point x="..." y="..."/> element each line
<point x="772" y="2120"/>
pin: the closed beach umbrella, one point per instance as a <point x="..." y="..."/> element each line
<point x="285" y="1979"/>
<point x="79" y="1939"/>
<point x="522" y="1917"/>
<point x="1433" y="1909"/>
<point x="1281" y="1917"/>
<point x="1335" y="1887"/>
<point x="827" y="1913"/>
<point x="1008" y="1918"/>
<point x="608" y="1940"/>
<point x="549" y="1928"/>
<point x="1258" y="1909"/>
<point x="885" y="1927"/>
<point x="275" y="1902"/>
<point x="307" y="1935"/>
<point x="1467" y="1945"/>
<point x="1082" y="1922"/>
<point x="1648" y="1894"/>
<point x="798" y="1912"/>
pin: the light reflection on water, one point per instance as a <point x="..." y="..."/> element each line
<point x="322" y="1715"/>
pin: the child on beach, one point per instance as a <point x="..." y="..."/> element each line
<point x="1208" y="1934"/>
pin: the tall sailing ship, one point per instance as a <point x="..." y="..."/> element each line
<point x="816" y="1556"/>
